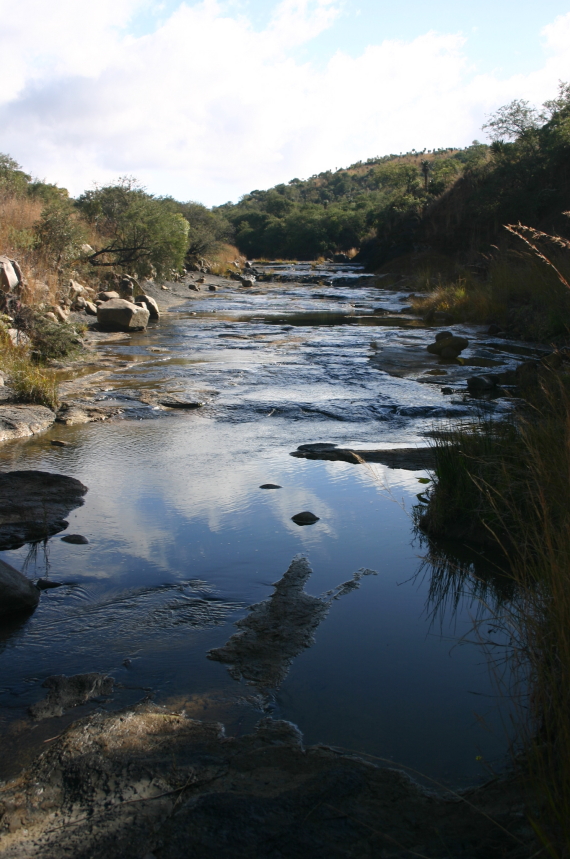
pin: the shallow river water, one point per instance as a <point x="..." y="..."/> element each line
<point x="182" y="539"/>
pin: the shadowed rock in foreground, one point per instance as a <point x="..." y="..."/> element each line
<point x="17" y="593"/>
<point x="33" y="505"/>
<point x="150" y="782"/>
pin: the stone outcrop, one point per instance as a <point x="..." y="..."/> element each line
<point x="17" y="593"/>
<point x="33" y="505"/>
<point x="19" y="421"/>
<point x="116" y="314"/>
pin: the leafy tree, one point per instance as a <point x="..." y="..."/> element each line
<point x="514" y="120"/>
<point x="59" y="234"/>
<point x="13" y="180"/>
<point x="138" y="231"/>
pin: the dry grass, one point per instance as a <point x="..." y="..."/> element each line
<point x="461" y="301"/>
<point x="221" y="262"/>
<point x="30" y="382"/>
<point x="507" y="485"/>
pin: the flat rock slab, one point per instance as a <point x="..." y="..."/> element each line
<point x="33" y="505"/>
<point x="19" y="421"/>
<point x="409" y="458"/>
<point x="179" y="403"/>
<point x="108" y="787"/>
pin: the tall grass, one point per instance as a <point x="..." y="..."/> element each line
<point x="30" y="382"/>
<point x="507" y="485"/>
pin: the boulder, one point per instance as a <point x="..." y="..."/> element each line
<point x="75" y="539"/>
<point x="33" y="504"/>
<point x="17" y="593"/>
<point x="18" y="338"/>
<point x="480" y="384"/>
<point x="90" y="308"/>
<point x="247" y="280"/>
<point x="108" y="296"/>
<point x="116" y="314"/>
<point x="448" y="345"/>
<point x="305" y="518"/>
<point x="10" y="274"/>
<point x="150" y="305"/>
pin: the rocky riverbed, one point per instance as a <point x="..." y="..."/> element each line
<point x="176" y="431"/>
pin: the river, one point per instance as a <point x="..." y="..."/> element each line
<point x="182" y="539"/>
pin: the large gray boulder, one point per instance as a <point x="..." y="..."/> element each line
<point x="120" y="315"/>
<point x="150" y="304"/>
<point x="17" y="593"/>
<point x="10" y="274"/>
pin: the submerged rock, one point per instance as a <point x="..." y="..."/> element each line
<point x="67" y="692"/>
<point x="33" y="504"/>
<point x="17" y="593"/>
<point x="76" y="539"/>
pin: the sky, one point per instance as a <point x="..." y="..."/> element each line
<point x="209" y="100"/>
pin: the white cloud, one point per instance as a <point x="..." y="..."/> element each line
<point x="207" y="108"/>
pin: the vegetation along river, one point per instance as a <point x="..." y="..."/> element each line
<point x="182" y="539"/>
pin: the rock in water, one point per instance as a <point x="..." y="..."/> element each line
<point x="270" y="486"/>
<point x="33" y="504"/>
<point x="21" y="421"/>
<point x="76" y="539"/>
<point x="447" y="345"/>
<point x="305" y="518"/>
<point x="67" y="692"/>
<point x="150" y="305"/>
<point x="116" y="314"/>
<point x="17" y="593"/>
<point x="179" y="403"/>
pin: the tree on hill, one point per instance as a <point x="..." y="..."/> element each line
<point x="137" y="231"/>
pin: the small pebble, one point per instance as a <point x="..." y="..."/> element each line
<point x="77" y="539"/>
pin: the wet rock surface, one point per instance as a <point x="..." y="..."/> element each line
<point x="276" y="630"/>
<point x="17" y="593"/>
<point x="68" y="692"/>
<point x="33" y="505"/>
<point x="411" y="458"/>
<point x="108" y="788"/>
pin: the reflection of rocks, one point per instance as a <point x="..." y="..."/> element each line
<point x="17" y="593"/>
<point x="67" y="692"/>
<point x="18" y="421"/>
<point x="33" y="504"/>
<point x="411" y="458"/>
<point x="276" y="630"/>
